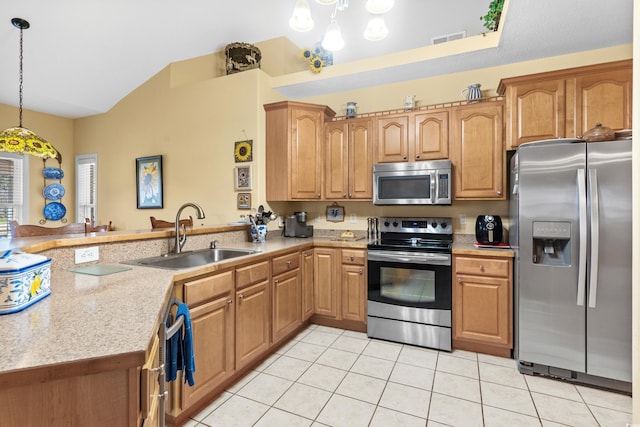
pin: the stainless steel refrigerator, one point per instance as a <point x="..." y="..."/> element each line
<point x="573" y="284"/>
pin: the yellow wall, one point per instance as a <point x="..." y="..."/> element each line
<point x="59" y="132"/>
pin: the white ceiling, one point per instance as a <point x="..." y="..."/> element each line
<point x="82" y="56"/>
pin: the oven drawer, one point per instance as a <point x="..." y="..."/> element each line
<point x="482" y="266"/>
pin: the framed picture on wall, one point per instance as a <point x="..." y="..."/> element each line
<point x="244" y="200"/>
<point x="242" y="177"/>
<point x="149" y="182"/>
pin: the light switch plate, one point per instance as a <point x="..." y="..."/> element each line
<point x="87" y="254"/>
<point x="354" y="218"/>
<point x="463" y="219"/>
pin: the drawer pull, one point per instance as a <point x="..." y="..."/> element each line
<point x="288" y="263"/>
<point x="481" y="267"/>
<point x="351" y="258"/>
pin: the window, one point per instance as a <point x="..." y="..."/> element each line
<point x="14" y="179"/>
<point x="87" y="187"/>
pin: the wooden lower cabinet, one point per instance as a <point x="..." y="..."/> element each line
<point x="307" y="284"/>
<point x="325" y="282"/>
<point x="253" y="323"/>
<point x="150" y="387"/>
<point x="341" y="287"/>
<point x="213" y="336"/>
<point x="286" y="295"/>
<point x="483" y="304"/>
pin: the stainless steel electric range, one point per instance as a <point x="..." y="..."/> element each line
<point x="409" y="282"/>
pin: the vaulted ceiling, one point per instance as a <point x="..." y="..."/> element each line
<point x="83" y="56"/>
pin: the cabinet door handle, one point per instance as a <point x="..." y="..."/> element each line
<point x="229" y="302"/>
<point x="317" y="195"/>
<point x="241" y="296"/>
<point x="404" y="157"/>
<point x="417" y="156"/>
<point x="459" y="280"/>
<point x="307" y="255"/>
<point x="499" y="193"/>
<point x="350" y="196"/>
<point x="276" y="281"/>
<point x="344" y="196"/>
<point x="361" y="271"/>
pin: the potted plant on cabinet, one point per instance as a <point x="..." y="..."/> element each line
<point x="492" y="18"/>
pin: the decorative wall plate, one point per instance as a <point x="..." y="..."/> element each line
<point x="53" y="173"/>
<point x="54" y="211"/>
<point x="53" y="191"/>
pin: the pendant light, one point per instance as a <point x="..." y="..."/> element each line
<point x="19" y="139"/>
<point x="333" y="40"/>
<point x="301" y="18"/>
<point x="376" y="29"/>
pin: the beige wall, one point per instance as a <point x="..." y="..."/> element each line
<point x="59" y="132"/>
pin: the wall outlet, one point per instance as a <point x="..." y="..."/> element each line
<point x="87" y="254"/>
<point x="463" y="219"/>
<point x="280" y="222"/>
<point x="354" y="218"/>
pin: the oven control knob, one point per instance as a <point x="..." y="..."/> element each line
<point x="443" y="225"/>
<point x="386" y="223"/>
<point x="395" y="223"/>
<point x="434" y="224"/>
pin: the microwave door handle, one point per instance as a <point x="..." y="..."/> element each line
<point x="432" y="176"/>
<point x="595" y="237"/>
<point x="582" y="242"/>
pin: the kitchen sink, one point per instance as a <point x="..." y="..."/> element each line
<point x="191" y="259"/>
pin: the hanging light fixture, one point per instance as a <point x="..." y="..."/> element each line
<point x="19" y="139"/>
<point x="376" y="29"/>
<point x="301" y="18"/>
<point x="378" y="7"/>
<point x="333" y="40"/>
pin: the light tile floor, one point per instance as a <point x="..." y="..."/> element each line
<point x="332" y="377"/>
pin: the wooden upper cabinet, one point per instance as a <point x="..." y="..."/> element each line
<point x="392" y="138"/>
<point x="536" y="111"/>
<point x="431" y="135"/>
<point x="477" y="153"/>
<point x="348" y="158"/>
<point x="294" y="150"/>
<point x="566" y="103"/>
<point x="604" y="98"/>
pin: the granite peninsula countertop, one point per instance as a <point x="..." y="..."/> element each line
<point x="93" y="323"/>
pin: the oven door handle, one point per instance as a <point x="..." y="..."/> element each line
<point x="409" y="257"/>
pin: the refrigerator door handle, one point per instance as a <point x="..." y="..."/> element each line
<point x="595" y="237"/>
<point x="582" y="257"/>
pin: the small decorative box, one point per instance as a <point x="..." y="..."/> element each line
<point x="24" y="280"/>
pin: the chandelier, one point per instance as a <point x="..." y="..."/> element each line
<point x="376" y="29"/>
<point x="19" y="139"/>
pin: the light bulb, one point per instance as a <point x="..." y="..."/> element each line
<point x="379" y="6"/>
<point x="301" y="18"/>
<point x="333" y="37"/>
<point x="376" y="29"/>
<point x="326" y="2"/>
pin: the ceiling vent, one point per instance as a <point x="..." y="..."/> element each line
<point x="448" y="37"/>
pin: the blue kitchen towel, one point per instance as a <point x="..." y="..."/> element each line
<point x="171" y="354"/>
<point x="185" y="357"/>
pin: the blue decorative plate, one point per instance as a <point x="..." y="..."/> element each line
<point x="54" y="211"/>
<point x="53" y="173"/>
<point x="53" y="192"/>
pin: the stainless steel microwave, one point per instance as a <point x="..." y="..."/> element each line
<point x="413" y="183"/>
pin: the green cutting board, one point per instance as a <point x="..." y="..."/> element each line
<point x="99" y="269"/>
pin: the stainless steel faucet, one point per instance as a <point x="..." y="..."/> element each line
<point x="181" y="240"/>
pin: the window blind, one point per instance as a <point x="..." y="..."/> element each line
<point x="87" y="187"/>
<point x="12" y="203"/>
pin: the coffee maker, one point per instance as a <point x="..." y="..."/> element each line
<point x="296" y="225"/>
